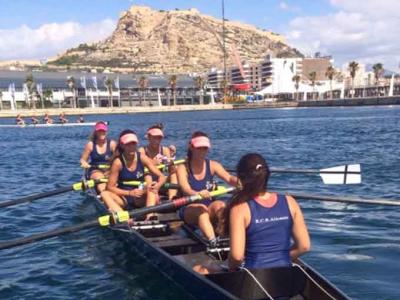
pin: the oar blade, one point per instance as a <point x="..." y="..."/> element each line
<point x="347" y="174"/>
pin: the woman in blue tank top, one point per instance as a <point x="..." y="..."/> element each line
<point x="129" y="165"/>
<point x="160" y="154"/>
<point x="98" y="152"/>
<point x="196" y="177"/>
<point x="262" y="224"/>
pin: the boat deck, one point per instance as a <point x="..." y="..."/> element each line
<point x="175" y="249"/>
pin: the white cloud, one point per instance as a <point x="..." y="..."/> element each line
<point x="361" y="30"/>
<point x="283" y="5"/>
<point x="288" y="7"/>
<point x="49" y="39"/>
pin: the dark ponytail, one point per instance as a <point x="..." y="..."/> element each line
<point x="253" y="172"/>
<point x="157" y="125"/>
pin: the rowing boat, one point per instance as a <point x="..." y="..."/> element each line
<point x="49" y="125"/>
<point x="175" y="248"/>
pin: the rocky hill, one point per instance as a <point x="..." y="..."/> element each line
<point x="178" y="41"/>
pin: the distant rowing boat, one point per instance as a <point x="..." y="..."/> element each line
<point x="50" y="125"/>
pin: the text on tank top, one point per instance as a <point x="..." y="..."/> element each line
<point x="268" y="235"/>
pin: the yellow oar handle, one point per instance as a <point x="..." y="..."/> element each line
<point x="162" y="166"/>
<point x="124" y="216"/>
<point x="79" y="186"/>
<point x="132" y="182"/>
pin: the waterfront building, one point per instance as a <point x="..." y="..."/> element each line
<point x="251" y="76"/>
<point x="215" y="78"/>
<point x="50" y="89"/>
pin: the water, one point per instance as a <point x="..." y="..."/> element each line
<point x="356" y="247"/>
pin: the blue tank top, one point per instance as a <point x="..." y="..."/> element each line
<point x="205" y="183"/>
<point x="127" y="175"/>
<point x="96" y="158"/>
<point x="268" y="235"/>
<point x="160" y="151"/>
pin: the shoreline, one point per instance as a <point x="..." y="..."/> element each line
<point x="375" y="101"/>
<point x="115" y="110"/>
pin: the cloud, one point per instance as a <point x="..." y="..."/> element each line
<point x="283" y="5"/>
<point x="49" y="39"/>
<point x="288" y="7"/>
<point x="361" y="30"/>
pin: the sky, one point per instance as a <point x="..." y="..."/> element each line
<point x="362" y="30"/>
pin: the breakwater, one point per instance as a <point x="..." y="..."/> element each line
<point x="323" y="103"/>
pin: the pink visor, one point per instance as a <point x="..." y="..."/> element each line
<point x="128" y="138"/>
<point x="201" y="141"/>
<point x="101" y="126"/>
<point x="155" y="132"/>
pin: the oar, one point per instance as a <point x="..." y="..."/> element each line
<point x="74" y="187"/>
<point x="105" y="220"/>
<point x="346" y="174"/>
<point x="162" y="166"/>
<point x="146" y="170"/>
<point x="79" y="186"/>
<point x="166" y="185"/>
<point x="350" y="200"/>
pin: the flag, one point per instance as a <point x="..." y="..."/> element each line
<point x="83" y="82"/>
<point x="11" y="89"/>
<point x="94" y="79"/>
<point x="116" y="82"/>
<point x="39" y="88"/>
<point x="25" y="88"/>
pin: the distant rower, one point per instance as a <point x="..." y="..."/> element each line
<point x="80" y="119"/>
<point x="34" y="120"/>
<point x="62" y="118"/>
<point x="20" y="120"/>
<point x="47" y="119"/>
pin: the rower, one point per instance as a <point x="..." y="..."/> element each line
<point x="62" y="118"/>
<point x="196" y="177"/>
<point x="262" y="223"/>
<point x="160" y="154"/>
<point x="128" y="165"/>
<point x="80" y="119"/>
<point x="47" y="119"/>
<point x="20" y="120"/>
<point x="97" y="154"/>
<point x="34" y="120"/>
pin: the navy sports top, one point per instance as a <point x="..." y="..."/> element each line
<point x="98" y="159"/>
<point x="203" y="184"/>
<point x="127" y="175"/>
<point x="268" y="235"/>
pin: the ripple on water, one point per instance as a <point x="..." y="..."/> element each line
<point x="355" y="246"/>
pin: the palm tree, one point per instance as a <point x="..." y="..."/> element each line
<point x="71" y="84"/>
<point x="200" y="86"/>
<point x="47" y="95"/>
<point x="378" y="71"/>
<point x="109" y="85"/>
<point x="353" y="67"/>
<point x="143" y="84"/>
<point x="30" y="84"/>
<point x="312" y="76"/>
<point x="296" y="79"/>
<point x="1" y="100"/>
<point x="224" y="87"/>
<point x="330" y="73"/>
<point x="172" y="83"/>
